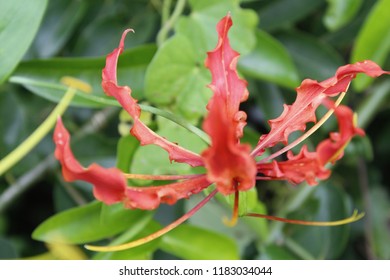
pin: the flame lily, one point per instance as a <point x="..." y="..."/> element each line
<point x="231" y="165"/>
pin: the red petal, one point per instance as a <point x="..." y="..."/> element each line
<point x="228" y="162"/>
<point x="309" y="95"/>
<point x="145" y="135"/>
<point x="151" y="197"/>
<point x="309" y="166"/>
<point x="305" y="166"/>
<point x="109" y="184"/>
<point x="331" y="149"/>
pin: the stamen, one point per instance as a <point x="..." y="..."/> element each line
<point x="355" y="217"/>
<point x="233" y="221"/>
<point x="160" y="177"/>
<point x="155" y="235"/>
<point x="76" y="84"/>
<point x="307" y="133"/>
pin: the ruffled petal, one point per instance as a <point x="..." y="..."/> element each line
<point x="145" y="135"/>
<point x="151" y="197"/>
<point x="309" y="95"/>
<point x="110" y="184"/>
<point x="310" y="166"/>
<point x="332" y="149"/>
<point x="228" y="162"/>
<point x="305" y="166"/>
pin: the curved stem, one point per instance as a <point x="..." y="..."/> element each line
<point x="155" y="235"/>
<point x="163" y="33"/>
<point x="12" y="158"/>
<point x="355" y="217"/>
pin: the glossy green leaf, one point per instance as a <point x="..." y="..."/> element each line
<point x="58" y="25"/>
<point x="100" y="35"/>
<point x="127" y="146"/>
<point x="178" y="79"/>
<point x="269" y="61"/>
<point x="281" y="13"/>
<point x="42" y="77"/>
<point x="379" y="219"/>
<point x="327" y="203"/>
<point x="208" y="13"/>
<point x="195" y="243"/>
<point x="340" y="12"/>
<point x="373" y="41"/>
<point x="313" y="58"/>
<point x="19" y="22"/>
<point x="12" y="120"/>
<point x="87" y="223"/>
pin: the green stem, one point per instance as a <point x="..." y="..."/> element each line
<point x="163" y="33"/>
<point x="165" y="11"/>
<point x="12" y="158"/>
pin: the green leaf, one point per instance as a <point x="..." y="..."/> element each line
<point x="58" y="25"/>
<point x="340" y="12"/>
<point x="151" y="159"/>
<point x="269" y="61"/>
<point x="88" y="223"/>
<point x="281" y="13"/>
<point x="327" y="203"/>
<point x="195" y="243"/>
<point x="208" y="13"/>
<point x="12" y="121"/>
<point x="178" y="79"/>
<point x="379" y="216"/>
<point x="100" y="35"/>
<point x="313" y="58"/>
<point x="42" y="77"/>
<point x="127" y="146"/>
<point x="373" y="41"/>
<point x="19" y="22"/>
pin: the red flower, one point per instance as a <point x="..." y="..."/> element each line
<point x="231" y="165"/>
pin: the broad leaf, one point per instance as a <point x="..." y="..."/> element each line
<point x="313" y="58"/>
<point x="373" y="40"/>
<point x="19" y="22"/>
<point x="327" y="203"/>
<point x="195" y="243"/>
<point x="42" y="77"/>
<point x="269" y="61"/>
<point x="340" y="12"/>
<point x="280" y="13"/>
<point x="86" y="224"/>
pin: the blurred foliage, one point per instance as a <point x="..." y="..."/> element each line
<point x="281" y="42"/>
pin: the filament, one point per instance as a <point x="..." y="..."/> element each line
<point x="155" y="235"/>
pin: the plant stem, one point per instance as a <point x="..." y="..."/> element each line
<point x="168" y="24"/>
<point x="12" y="158"/>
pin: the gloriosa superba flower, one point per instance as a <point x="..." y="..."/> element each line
<point x="230" y="165"/>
